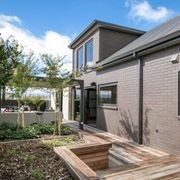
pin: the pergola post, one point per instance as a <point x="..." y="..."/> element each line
<point x="81" y="121"/>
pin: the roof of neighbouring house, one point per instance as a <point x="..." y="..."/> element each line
<point x="101" y="24"/>
<point x="167" y="31"/>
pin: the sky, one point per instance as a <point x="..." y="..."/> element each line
<point x="48" y="26"/>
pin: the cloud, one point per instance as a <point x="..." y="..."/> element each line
<point x="50" y="42"/>
<point x="6" y="19"/>
<point x="142" y="10"/>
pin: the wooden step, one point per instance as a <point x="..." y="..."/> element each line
<point x="109" y="171"/>
<point x="152" y="169"/>
<point x="139" y="154"/>
<point x="133" y="166"/>
<point x="116" y="155"/>
<point x="126" y="155"/>
<point x="76" y="167"/>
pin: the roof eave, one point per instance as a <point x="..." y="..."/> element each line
<point x="140" y="53"/>
<point x="99" y="24"/>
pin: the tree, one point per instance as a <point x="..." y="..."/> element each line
<point x="37" y="101"/>
<point x="56" y="79"/>
<point x="23" y="75"/>
<point x="10" y="50"/>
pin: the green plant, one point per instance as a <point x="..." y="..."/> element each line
<point x="10" y="131"/>
<point x="11" y="152"/>
<point x="18" y="134"/>
<point x="7" y="125"/>
<point x="29" y="158"/>
<point x="65" y="131"/>
<point x="37" y="174"/>
<point x="37" y="101"/>
<point x="44" y="128"/>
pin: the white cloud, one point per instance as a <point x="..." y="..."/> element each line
<point x="142" y="10"/>
<point x="50" y="42"/>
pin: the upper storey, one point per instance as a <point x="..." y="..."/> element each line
<point x="98" y="41"/>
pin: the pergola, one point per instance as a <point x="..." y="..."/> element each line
<point x="40" y="82"/>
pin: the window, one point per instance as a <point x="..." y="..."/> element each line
<point x="80" y="58"/>
<point x="179" y="93"/>
<point x="89" y="53"/>
<point x="108" y="94"/>
<point x="77" y="94"/>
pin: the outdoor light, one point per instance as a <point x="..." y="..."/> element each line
<point x="175" y="58"/>
<point x="93" y="84"/>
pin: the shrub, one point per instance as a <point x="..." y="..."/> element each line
<point x="10" y="131"/>
<point x="25" y="133"/>
<point x="44" y="128"/>
<point x="7" y="125"/>
<point x="65" y="130"/>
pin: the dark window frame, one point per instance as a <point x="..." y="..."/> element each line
<point x="108" y="104"/>
<point x="178" y="93"/>
<point x="85" y="51"/>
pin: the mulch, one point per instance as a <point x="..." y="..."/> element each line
<point x="14" y="167"/>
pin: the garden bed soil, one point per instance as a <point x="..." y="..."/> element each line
<point x="31" y="160"/>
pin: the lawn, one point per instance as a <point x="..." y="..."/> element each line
<point x="33" y="158"/>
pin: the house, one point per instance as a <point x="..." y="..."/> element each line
<point x="135" y="90"/>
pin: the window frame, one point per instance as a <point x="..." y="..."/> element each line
<point x="85" y="52"/>
<point x="77" y="64"/>
<point x="178" y="93"/>
<point x="107" y="104"/>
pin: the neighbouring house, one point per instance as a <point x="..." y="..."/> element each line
<point x="135" y="91"/>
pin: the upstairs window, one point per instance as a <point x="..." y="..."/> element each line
<point x="179" y="93"/>
<point x="80" y="59"/>
<point x="89" y="53"/>
<point x="108" y="94"/>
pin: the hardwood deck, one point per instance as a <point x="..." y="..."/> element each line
<point x="130" y="160"/>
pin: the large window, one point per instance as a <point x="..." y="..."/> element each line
<point x="89" y="53"/>
<point x="80" y="58"/>
<point x="108" y="94"/>
<point x="179" y="93"/>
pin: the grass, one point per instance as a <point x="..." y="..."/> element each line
<point x="29" y="157"/>
<point x="36" y="174"/>
<point x="11" y="152"/>
<point x="63" y="141"/>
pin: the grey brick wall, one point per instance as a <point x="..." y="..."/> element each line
<point x="124" y="121"/>
<point x="161" y="126"/>
<point x="110" y="41"/>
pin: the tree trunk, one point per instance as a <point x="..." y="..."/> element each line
<point x="58" y="122"/>
<point x="3" y="94"/>
<point x="20" y="120"/>
<point x="0" y="100"/>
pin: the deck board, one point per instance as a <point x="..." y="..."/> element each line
<point x="146" y="162"/>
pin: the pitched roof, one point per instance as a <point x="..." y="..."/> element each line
<point x="97" y="24"/>
<point x="157" y="35"/>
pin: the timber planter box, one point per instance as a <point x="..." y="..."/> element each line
<point x="83" y="160"/>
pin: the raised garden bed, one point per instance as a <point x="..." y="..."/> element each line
<point x="34" y="159"/>
<point x="83" y="160"/>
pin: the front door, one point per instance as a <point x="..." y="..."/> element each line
<point x="90" y="113"/>
<point x="77" y="98"/>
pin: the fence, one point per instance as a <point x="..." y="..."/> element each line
<point x="30" y="117"/>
